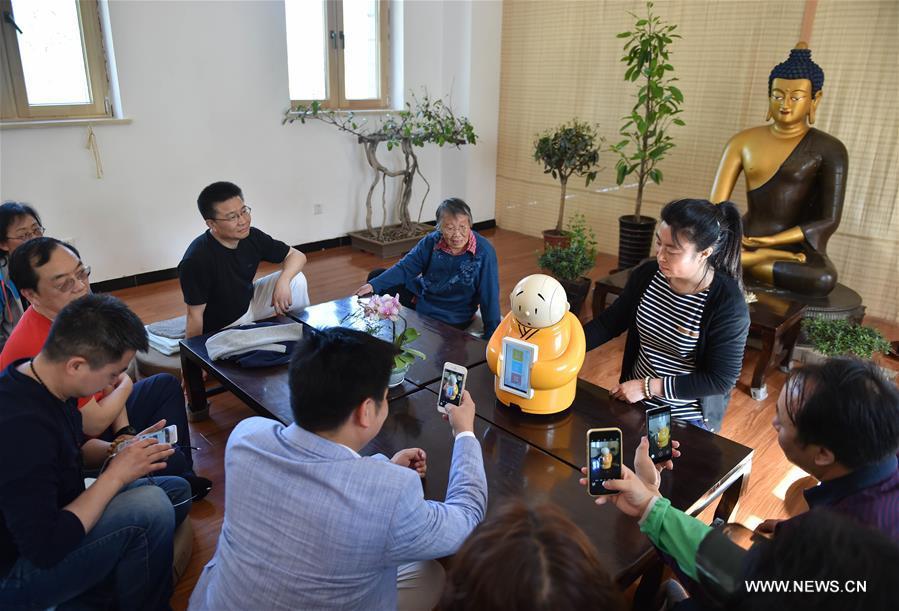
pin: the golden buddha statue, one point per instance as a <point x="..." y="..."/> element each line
<point x="795" y="181"/>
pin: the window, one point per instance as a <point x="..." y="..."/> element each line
<point x="338" y="52"/>
<point x="53" y="62"/>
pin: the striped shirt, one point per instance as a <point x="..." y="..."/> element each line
<point x="668" y="324"/>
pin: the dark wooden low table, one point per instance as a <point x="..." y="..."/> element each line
<point x="536" y="459"/>
<point x="439" y="341"/>
<point x="712" y="467"/>
<point x="774" y="317"/>
<point x="264" y="390"/>
<point x="514" y="469"/>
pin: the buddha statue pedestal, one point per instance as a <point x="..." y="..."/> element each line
<point x="841" y="303"/>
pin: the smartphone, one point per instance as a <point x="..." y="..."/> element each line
<point x="658" y="432"/>
<point x="167" y="435"/>
<point x="604" y="450"/>
<point x="451" y="385"/>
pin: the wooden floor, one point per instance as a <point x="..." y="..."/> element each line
<point x="774" y="485"/>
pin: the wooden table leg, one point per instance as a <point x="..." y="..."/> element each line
<point x="198" y="408"/>
<point x="759" y="391"/>
<point x="730" y="498"/>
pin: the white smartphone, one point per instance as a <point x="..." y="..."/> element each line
<point x="451" y="386"/>
<point x="517" y="358"/>
<point x="167" y="435"/>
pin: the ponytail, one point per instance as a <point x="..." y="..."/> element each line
<point x="726" y="256"/>
<point x="707" y="225"/>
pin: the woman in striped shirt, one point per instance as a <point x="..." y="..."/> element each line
<point x="685" y="313"/>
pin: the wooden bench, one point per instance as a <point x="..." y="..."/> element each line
<point x="774" y="318"/>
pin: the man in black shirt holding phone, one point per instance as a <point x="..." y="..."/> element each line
<point x="59" y="542"/>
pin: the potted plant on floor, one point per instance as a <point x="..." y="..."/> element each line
<point x="569" y="263"/>
<point x="374" y="312"/>
<point x="569" y="149"/>
<point x="646" y="129"/>
<point x="839" y="337"/>
<point x="424" y="121"/>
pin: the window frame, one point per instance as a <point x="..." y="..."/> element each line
<point x="334" y="62"/>
<point x="14" y="104"/>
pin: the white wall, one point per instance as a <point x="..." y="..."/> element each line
<point x="205" y="84"/>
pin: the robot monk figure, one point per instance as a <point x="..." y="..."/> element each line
<point x="540" y="318"/>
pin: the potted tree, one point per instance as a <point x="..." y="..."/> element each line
<point x="646" y="139"/>
<point x="569" y="263"/>
<point x="424" y="121"/>
<point x="839" y="337"/>
<point x="569" y="149"/>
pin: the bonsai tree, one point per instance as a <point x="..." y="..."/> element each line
<point x="646" y="139"/>
<point x="841" y="337"/>
<point x="569" y="149"/>
<point x="572" y="262"/>
<point x="424" y="121"/>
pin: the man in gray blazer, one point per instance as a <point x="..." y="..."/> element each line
<point x="310" y="524"/>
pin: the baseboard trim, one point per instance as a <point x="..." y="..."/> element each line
<point x="171" y="273"/>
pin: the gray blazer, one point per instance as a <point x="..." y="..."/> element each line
<point x="309" y="525"/>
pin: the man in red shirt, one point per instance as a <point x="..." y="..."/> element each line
<point x="52" y="275"/>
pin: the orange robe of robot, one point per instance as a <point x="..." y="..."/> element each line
<point x="560" y="355"/>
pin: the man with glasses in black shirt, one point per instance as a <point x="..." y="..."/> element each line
<point x="218" y="268"/>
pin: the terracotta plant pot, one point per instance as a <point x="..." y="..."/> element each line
<point x="554" y="239"/>
<point x="634" y="239"/>
<point x="577" y="292"/>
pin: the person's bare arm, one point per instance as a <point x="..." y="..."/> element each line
<point x="291" y="266"/>
<point x="194" y="326"/>
<point x="97" y="416"/>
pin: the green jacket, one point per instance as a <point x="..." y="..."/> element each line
<point x="675" y="533"/>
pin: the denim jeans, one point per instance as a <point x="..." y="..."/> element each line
<point x="156" y="398"/>
<point x="125" y="561"/>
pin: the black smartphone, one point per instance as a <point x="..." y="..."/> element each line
<point x="603" y="459"/>
<point x="658" y="432"/>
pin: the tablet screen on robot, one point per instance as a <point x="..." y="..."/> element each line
<point x="518" y="358"/>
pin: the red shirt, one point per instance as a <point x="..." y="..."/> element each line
<point x="27" y="338"/>
<point x="26" y="341"/>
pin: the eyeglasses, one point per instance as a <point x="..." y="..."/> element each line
<point x="234" y="216"/>
<point x="68" y="284"/>
<point x="461" y="230"/>
<point x="24" y="236"/>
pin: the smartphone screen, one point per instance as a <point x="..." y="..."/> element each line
<point x="658" y="431"/>
<point x="604" y="456"/>
<point x="451" y="386"/>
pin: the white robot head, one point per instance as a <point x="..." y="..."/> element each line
<point x="539" y="301"/>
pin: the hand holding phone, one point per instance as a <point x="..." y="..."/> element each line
<point x="452" y="385"/>
<point x="167" y="435"/>
<point x="604" y="448"/>
<point x="658" y="432"/>
<point x="628" y="494"/>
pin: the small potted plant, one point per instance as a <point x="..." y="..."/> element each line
<point x="373" y="313"/>
<point x="647" y="140"/>
<point x="569" y="149"/>
<point x="569" y="263"/>
<point x="839" y="337"/>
